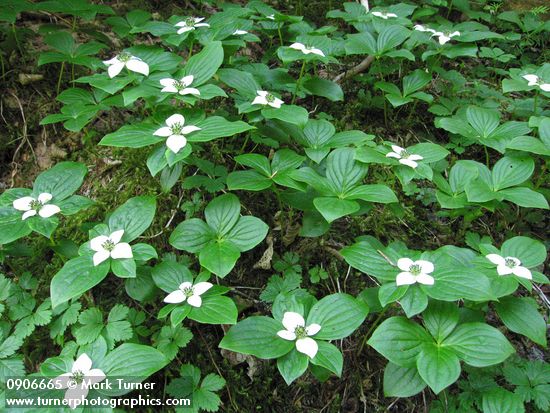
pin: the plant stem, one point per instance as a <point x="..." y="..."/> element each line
<point x="535" y="102"/>
<point x="280" y="34"/>
<point x="60" y="77"/>
<point x="486" y="157"/>
<point x="372" y="327"/>
<point x="298" y="81"/>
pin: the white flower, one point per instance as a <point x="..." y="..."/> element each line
<point x="239" y="32"/>
<point x="190" y="24"/>
<point x="404" y="156"/>
<point x="39" y="206"/>
<point x="414" y="272"/>
<point x="179" y="86"/>
<point x="175" y="130"/>
<point x="110" y="246"/>
<point x="133" y="63"/>
<point x="383" y="15"/>
<point x="79" y="380"/>
<point x="296" y="329"/>
<point x="422" y="28"/>
<point x="307" y="49"/>
<point x="188" y="291"/>
<point x="534" y="80"/>
<point x="444" y="37"/>
<point x="270" y="17"/>
<point x="266" y="98"/>
<point x="509" y="265"/>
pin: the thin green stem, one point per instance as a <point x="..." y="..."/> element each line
<point x="486" y="156"/>
<point x="372" y="327"/>
<point x="298" y="81"/>
<point x="535" y="102"/>
<point x="280" y="34"/>
<point x="60" y="77"/>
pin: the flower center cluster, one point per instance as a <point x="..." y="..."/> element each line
<point x="300" y="332"/>
<point x="178" y="84"/>
<point x="190" y="22"/>
<point x="188" y="291"/>
<point x="36" y="205"/>
<point x="405" y="153"/>
<point x="270" y="98"/>
<point x="509" y="263"/>
<point x="415" y="269"/>
<point x="124" y="57"/>
<point x="177" y="128"/>
<point x="108" y="245"/>
<point x="78" y="376"/>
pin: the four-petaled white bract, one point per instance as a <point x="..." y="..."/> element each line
<point x="190" y="23"/>
<point x="383" y="15"/>
<point x="443" y="37"/>
<point x="296" y="329"/>
<point x="239" y="32"/>
<point x="509" y="265"/>
<point x="31" y="206"/>
<point x="270" y="17"/>
<point x="179" y="86"/>
<point x="306" y="49"/>
<point x="110" y="246"/>
<point x="188" y="291"/>
<point x="266" y="98"/>
<point x="175" y="130"/>
<point x="404" y="156"/>
<point x="414" y="272"/>
<point x="79" y="380"/>
<point x="133" y="63"/>
<point x="534" y="80"/>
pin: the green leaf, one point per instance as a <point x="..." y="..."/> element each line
<point x="440" y="319"/>
<point x="390" y="37"/>
<point x="247" y="233"/>
<point x="511" y="171"/>
<point x="524" y="197"/>
<point x="135" y="362"/>
<point x="219" y="257"/>
<point x="292" y="365"/>
<point x="215" y="310"/>
<point x="529" y="251"/>
<point x="402" y="381"/>
<point x="455" y="283"/>
<point x="133" y="136"/>
<point x="192" y="235"/>
<point x="217" y="127"/>
<point x="400" y="340"/>
<point x="75" y="278"/>
<point x="325" y="88"/>
<point x="479" y="344"/>
<point x="369" y="260"/>
<point x="248" y="180"/>
<point x="134" y="217"/>
<point x="222" y="213"/>
<point x="293" y="114"/>
<point x="333" y="208"/>
<point x="373" y="193"/>
<point x="521" y="316"/>
<point x="168" y="275"/>
<point x="500" y="400"/>
<point x="339" y="315"/>
<point x="438" y="366"/>
<point x="61" y="181"/>
<point x="205" y="64"/>
<point x="257" y="336"/>
<point x="329" y="357"/>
